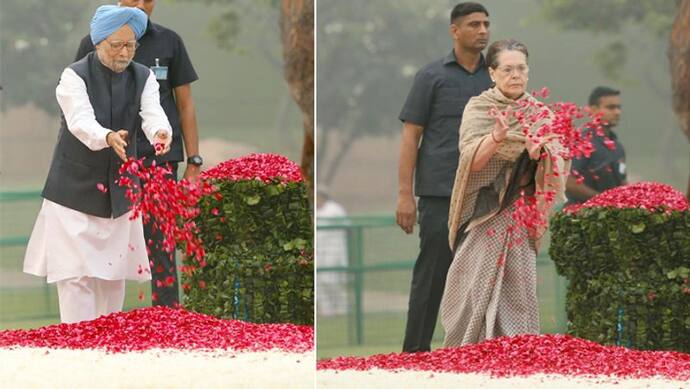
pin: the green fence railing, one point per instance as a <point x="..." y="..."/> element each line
<point x="377" y="253"/>
<point x="28" y="301"/>
<point x="14" y="197"/>
<point x="395" y="258"/>
<point x="15" y="206"/>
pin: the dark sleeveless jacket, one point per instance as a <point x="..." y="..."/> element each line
<point x="76" y="170"/>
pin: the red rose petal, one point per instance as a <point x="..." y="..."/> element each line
<point x="166" y="328"/>
<point x="651" y="196"/>
<point x="525" y="355"/>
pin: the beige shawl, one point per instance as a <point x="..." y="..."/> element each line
<point x="476" y="128"/>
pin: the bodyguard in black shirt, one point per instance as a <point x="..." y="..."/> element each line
<point x="605" y="168"/>
<point x="163" y="51"/>
<point x="433" y="111"/>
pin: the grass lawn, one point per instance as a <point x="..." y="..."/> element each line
<point x="383" y="333"/>
<point x="26" y="301"/>
<point x="33" y="307"/>
<point x="366" y="350"/>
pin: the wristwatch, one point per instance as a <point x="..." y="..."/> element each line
<point x="195" y="160"/>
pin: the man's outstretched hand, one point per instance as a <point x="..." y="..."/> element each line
<point x="118" y="141"/>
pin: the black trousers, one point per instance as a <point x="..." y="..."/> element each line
<point x="164" y="264"/>
<point x="429" y="274"/>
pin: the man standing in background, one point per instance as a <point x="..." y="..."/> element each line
<point x="434" y="109"/>
<point x="331" y="251"/>
<point x="162" y="50"/>
<point x="605" y="168"/>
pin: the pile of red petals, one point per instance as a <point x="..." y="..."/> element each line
<point x="164" y="328"/>
<point x="264" y="167"/>
<point x="651" y="196"/>
<point x="529" y="354"/>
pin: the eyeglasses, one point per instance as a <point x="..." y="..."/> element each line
<point x="118" y="45"/>
<point x="508" y="70"/>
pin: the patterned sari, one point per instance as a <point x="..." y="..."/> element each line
<point x="491" y="285"/>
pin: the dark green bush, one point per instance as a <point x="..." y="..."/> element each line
<point x="628" y="275"/>
<point x="259" y="257"/>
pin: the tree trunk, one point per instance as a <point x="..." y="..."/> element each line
<point x="297" y="30"/>
<point x="679" y="58"/>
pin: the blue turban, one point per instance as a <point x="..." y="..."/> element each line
<point x="109" y="18"/>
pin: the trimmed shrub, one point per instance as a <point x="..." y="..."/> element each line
<point x="626" y="255"/>
<point x="257" y="233"/>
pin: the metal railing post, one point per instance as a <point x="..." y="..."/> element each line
<point x="359" y="285"/>
<point x="351" y="318"/>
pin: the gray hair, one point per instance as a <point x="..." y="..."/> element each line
<point x="504" y="45"/>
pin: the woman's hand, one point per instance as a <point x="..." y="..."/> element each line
<point x="496" y="136"/>
<point x="161" y="142"/>
<point x="533" y="144"/>
<point x="500" y="131"/>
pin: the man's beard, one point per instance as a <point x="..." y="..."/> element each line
<point x="119" y="66"/>
<point x="116" y="65"/>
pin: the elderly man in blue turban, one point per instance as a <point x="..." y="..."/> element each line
<point x="83" y="238"/>
<point x="163" y="50"/>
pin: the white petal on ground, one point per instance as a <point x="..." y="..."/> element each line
<point x="377" y="378"/>
<point x="61" y="368"/>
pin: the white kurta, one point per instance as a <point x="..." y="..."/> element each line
<point x="66" y="243"/>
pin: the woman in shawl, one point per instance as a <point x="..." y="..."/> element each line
<point x="491" y="285"/>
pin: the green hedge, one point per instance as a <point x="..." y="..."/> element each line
<point x="259" y="257"/>
<point x="628" y="275"/>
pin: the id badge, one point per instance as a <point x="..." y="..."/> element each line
<point x="161" y="72"/>
<point x="621" y="168"/>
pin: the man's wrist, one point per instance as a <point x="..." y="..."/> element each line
<point x="195" y="160"/>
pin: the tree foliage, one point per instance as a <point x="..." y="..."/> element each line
<point x="37" y="41"/>
<point x="613" y="20"/>
<point x="227" y="24"/>
<point x="611" y="16"/>
<point x="368" y="53"/>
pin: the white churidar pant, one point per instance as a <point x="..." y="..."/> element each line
<point x="86" y="298"/>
